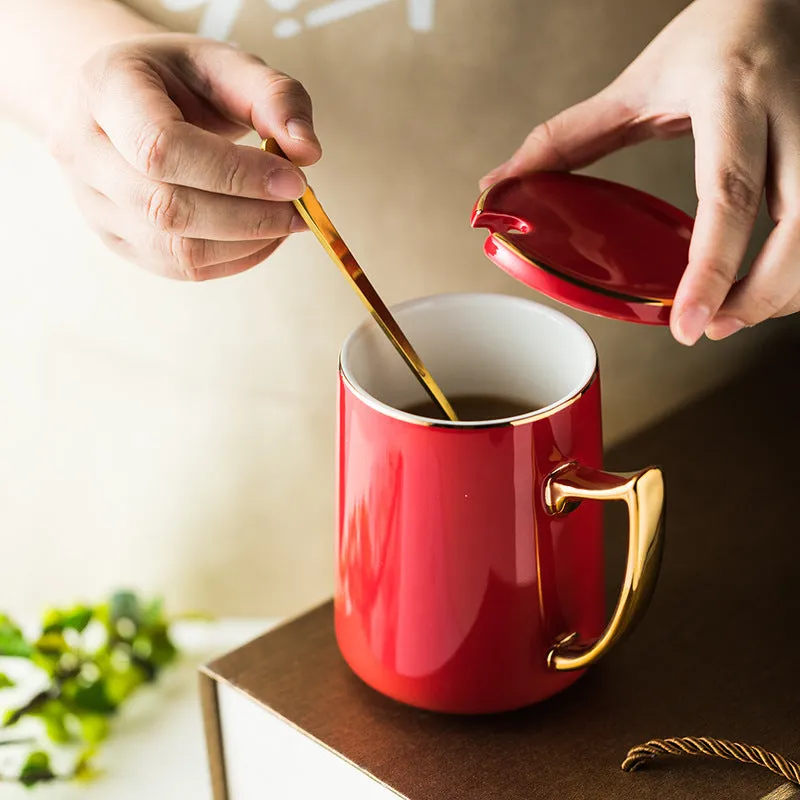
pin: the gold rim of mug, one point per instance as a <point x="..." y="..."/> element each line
<point x="403" y="416"/>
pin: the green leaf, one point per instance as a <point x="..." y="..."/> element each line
<point x="54" y="716"/>
<point x="153" y="613"/>
<point x="87" y="687"/>
<point x="36" y="769"/>
<point x="84" y="771"/>
<point x="52" y="643"/>
<point x="50" y="653"/>
<point x="94" y="728"/>
<point x="76" y="619"/>
<point x="125" y="605"/>
<point x="163" y="651"/>
<point x="93" y="697"/>
<point x="121" y="684"/>
<point x="12" y="642"/>
<point x="14" y="715"/>
<point x="6" y="682"/>
<point x="102" y="613"/>
<point x="46" y="662"/>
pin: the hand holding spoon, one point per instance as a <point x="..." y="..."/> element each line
<point x="320" y="224"/>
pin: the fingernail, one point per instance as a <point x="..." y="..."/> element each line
<point x="301" y="129"/>
<point x="691" y="323"/>
<point x="285" y="184"/>
<point x="297" y="225"/>
<point x="723" y="327"/>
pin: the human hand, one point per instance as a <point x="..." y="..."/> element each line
<point x="729" y="73"/>
<point x="146" y="141"/>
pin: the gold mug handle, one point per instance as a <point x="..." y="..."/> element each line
<point x="643" y="492"/>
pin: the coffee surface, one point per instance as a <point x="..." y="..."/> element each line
<point x="475" y="408"/>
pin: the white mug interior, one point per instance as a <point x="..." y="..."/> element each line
<point x="473" y="344"/>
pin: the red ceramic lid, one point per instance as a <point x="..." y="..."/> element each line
<point x="595" y="245"/>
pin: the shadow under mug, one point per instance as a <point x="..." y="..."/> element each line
<point x="469" y="555"/>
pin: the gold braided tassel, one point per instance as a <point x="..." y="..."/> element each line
<point x="704" y="746"/>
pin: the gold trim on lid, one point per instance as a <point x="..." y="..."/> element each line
<point x="505" y="241"/>
<point x="628" y="298"/>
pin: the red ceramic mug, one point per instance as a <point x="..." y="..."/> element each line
<point x="470" y="574"/>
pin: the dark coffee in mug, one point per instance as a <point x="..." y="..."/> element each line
<point x="475" y="408"/>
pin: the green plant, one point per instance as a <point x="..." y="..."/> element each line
<point x="94" y="658"/>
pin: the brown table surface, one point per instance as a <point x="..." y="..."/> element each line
<point x="718" y="654"/>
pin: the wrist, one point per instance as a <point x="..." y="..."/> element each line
<point x="67" y="35"/>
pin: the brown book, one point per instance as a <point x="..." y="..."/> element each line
<point x="718" y="653"/>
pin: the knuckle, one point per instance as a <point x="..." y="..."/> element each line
<point x="150" y="150"/>
<point x="748" y="70"/>
<point x="170" y="268"/>
<point x="167" y="210"/>
<point x="176" y="273"/>
<point x="282" y="85"/>
<point x="763" y="305"/>
<point x="93" y="72"/>
<point x="113" y="242"/>
<point x="792" y="307"/>
<point x="717" y="272"/>
<point x="69" y="143"/>
<point x="190" y="274"/>
<point x="252" y="58"/>
<point x="731" y="100"/>
<point x="72" y="148"/>
<point x="736" y="193"/>
<point x="234" y="173"/>
<point x="742" y="69"/>
<point x="112" y="238"/>
<point x="188" y="255"/>
<point x="265" y="224"/>
<point x="59" y="148"/>
<point x="544" y="135"/>
<point x="87" y="75"/>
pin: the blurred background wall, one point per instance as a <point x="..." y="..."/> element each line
<point x="180" y="438"/>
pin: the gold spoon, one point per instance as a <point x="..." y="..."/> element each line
<point x="320" y="224"/>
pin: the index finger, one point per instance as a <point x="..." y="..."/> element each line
<point x="137" y="114"/>
<point x="730" y="169"/>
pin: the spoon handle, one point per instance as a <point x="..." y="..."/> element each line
<point x="321" y="226"/>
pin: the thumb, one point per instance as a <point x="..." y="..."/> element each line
<point x="251" y="92"/>
<point x="575" y="138"/>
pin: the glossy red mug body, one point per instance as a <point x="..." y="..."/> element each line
<point x="469" y="556"/>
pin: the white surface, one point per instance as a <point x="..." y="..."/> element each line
<point x="473" y="344"/>
<point x="265" y="757"/>
<point x="157" y="746"/>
